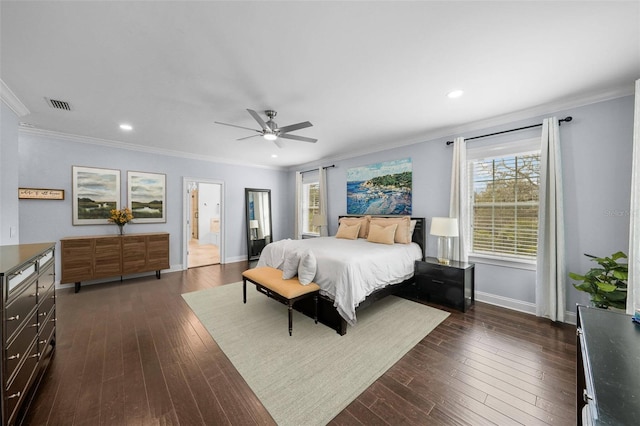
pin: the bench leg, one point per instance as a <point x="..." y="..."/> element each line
<point x="315" y="299"/>
<point x="290" y="318"/>
<point x="244" y="290"/>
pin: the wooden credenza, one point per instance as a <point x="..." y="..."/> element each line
<point x="28" y="312"/>
<point x="104" y="256"/>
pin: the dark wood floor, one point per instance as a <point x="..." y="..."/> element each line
<point x="133" y="353"/>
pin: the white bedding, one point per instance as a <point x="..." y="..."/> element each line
<point x="349" y="270"/>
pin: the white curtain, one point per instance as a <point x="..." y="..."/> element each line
<point x="322" y="183"/>
<point x="459" y="201"/>
<point x="297" y="226"/>
<point x="633" y="283"/>
<point x="550" y="268"/>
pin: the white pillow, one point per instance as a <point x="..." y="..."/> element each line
<point x="290" y="265"/>
<point x="307" y="267"/>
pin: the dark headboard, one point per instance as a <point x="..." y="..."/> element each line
<point x="419" y="233"/>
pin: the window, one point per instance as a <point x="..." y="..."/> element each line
<point x="310" y="206"/>
<point x="504" y="186"/>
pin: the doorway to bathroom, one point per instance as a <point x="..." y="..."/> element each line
<point x="204" y="222"/>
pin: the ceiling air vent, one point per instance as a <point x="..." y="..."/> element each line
<point x="53" y="103"/>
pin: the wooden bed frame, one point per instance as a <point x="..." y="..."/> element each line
<point x="328" y="314"/>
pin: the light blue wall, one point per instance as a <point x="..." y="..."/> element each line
<point x="596" y="155"/>
<point x="46" y="162"/>
<point x="8" y="176"/>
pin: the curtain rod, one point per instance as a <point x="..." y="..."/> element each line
<point x="566" y="120"/>
<point x="325" y="167"/>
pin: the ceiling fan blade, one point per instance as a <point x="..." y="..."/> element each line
<point x="293" y="127"/>
<point x="278" y="143"/>
<point x="247" y="137"/>
<point x="233" y="125"/>
<point x="259" y="119"/>
<point x="298" y="138"/>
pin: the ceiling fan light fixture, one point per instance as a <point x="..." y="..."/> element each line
<point x="270" y="136"/>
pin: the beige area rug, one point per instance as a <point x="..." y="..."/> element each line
<point x="308" y="378"/>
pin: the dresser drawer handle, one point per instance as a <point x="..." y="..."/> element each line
<point x="15" y="395"/>
<point x="53" y="319"/>
<point x="34" y="355"/>
<point x="35" y="324"/>
<point x="17" y="317"/>
<point x="42" y="342"/>
<point x="16" y="356"/>
<point x="43" y="314"/>
<point x="437" y="281"/>
<point x="33" y="294"/>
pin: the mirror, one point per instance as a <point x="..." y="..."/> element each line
<point x="258" y="205"/>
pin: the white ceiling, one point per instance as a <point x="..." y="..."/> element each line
<point x="368" y="75"/>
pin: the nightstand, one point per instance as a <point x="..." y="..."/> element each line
<point x="451" y="285"/>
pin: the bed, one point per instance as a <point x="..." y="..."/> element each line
<point x="351" y="274"/>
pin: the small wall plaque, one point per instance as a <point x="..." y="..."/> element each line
<point x="40" y="194"/>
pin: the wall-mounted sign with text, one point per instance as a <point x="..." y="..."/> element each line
<point x="40" y="194"/>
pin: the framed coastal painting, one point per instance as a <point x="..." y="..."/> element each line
<point x="380" y="189"/>
<point x="146" y="196"/>
<point x="96" y="192"/>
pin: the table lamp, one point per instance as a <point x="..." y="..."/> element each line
<point x="253" y="224"/>
<point x="319" y="220"/>
<point x="445" y="228"/>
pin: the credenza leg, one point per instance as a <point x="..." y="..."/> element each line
<point x="77" y="286"/>
<point x="158" y="274"/>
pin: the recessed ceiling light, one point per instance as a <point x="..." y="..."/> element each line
<point x="455" y="94"/>
<point x="126" y="127"/>
<point x="274" y="155"/>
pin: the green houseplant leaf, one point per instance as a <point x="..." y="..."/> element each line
<point x="607" y="284"/>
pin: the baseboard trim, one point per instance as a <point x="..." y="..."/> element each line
<point x="517" y="305"/>
<point x="174" y="268"/>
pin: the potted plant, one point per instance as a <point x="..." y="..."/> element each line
<point x="607" y="284"/>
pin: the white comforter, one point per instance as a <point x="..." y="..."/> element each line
<point x="349" y="270"/>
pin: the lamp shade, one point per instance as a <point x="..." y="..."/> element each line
<point x="253" y="224"/>
<point x="444" y="226"/>
<point x="319" y="220"/>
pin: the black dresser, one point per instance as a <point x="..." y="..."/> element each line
<point x="608" y="368"/>
<point x="28" y="317"/>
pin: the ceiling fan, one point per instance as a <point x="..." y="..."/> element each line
<point x="270" y="130"/>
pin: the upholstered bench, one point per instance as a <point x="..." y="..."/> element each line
<point x="269" y="281"/>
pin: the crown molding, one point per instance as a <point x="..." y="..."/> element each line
<point x="12" y="101"/>
<point x="450" y="132"/>
<point x="133" y="147"/>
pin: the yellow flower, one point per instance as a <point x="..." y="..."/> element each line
<point x="121" y="217"/>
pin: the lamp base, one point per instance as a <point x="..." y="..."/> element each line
<point x="445" y="250"/>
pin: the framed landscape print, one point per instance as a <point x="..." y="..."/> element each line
<point x="147" y="196"/>
<point x="95" y="193"/>
<point x="380" y="188"/>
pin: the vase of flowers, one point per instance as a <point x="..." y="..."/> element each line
<point x="121" y="218"/>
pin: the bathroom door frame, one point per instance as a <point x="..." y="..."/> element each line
<point x="186" y="215"/>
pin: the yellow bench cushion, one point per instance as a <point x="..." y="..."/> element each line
<point x="271" y="278"/>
